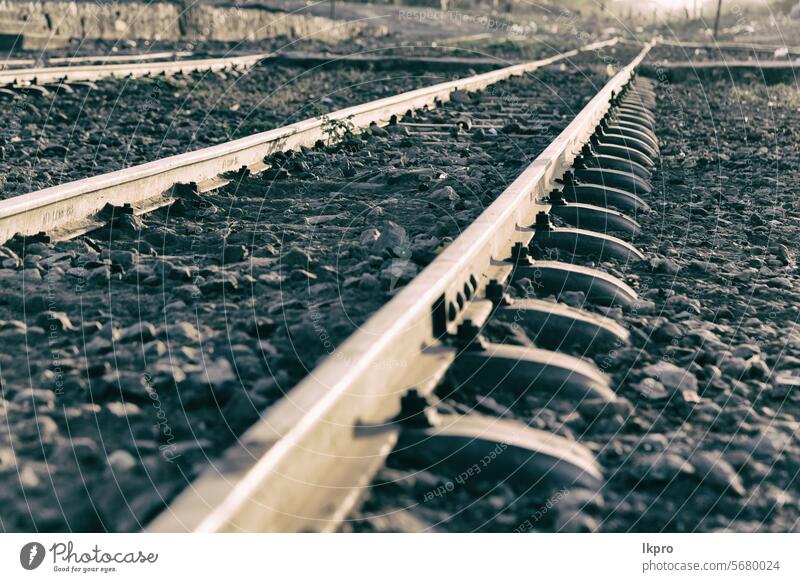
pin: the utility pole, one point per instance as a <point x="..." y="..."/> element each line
<point x="716" y="20"/>
<point x="185" y="7"/>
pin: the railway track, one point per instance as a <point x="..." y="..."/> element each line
<point x="97" y="59"/>
<point x="70" y="207"/>
<point x="770" y="71"/>
<point x="41" y="77"/>
<point x="746" y="48"/>
<point x="75" y="69"/>
<point x="678" y="60"/>
<point x="306" y="463"/>
<point x="79" y="73"/>
<point x="344" y="444"/>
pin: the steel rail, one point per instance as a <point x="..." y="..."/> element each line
<point x="306" y="463"/>
<point x="728" y="45"/>
<point x="390" y="61"/>
<point x="67" y="206"/>
<point x="130" y="65"/>
<point x="466" y="38"/>
<point x="172" y="55"/>
<point x="99" y="59"/>
<point x="49" y="75"/>
<point x="8" y="63"/>
<point x="768" y="70"/>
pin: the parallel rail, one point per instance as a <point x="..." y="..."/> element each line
<point x="745" y="46"/>
<point x="68" y="208"/>
<point x="306" y="463"/>
<point x="769" y="70"/>
<point x="85" y="73"/>
<point x="390" y="61"/>
<point x="51" y="75"/>
<point x="130" y="66"/>
<point x="98" y="59"/>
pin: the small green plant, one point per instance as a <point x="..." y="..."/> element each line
<point x="338" y="130"/>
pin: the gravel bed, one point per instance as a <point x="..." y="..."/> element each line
<point x="49" y="140"/>
<point x="152" y="343"/>
<point x="704" y="436"/>
<point x="667" y="54"/>
<point x="101" y="48"/>
<point x="502" y="47"/>
<point x="616" y="56"/>
<point x="54" y="139"/>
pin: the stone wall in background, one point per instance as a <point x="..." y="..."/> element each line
<point x="103" y="19"/>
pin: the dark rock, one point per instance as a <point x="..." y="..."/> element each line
<point x="188" y="293"/>
<point x="745" y="351"/>
<point x="713" y="470"/>
<point x="235" y="254"/>
<point x="39" y="431"/>
<point x="181" y="332"/>
<point x="296" y="257"/>
<point x="220" y="283"/>
<point x="673" y="378"/>
<point x="121" y="461"/>
<point x="125" y="259"/>
<point x="128" y="386"/>
<point x="216" y="372"/>
<point x="140" y="332"/>
<point x="593" y="408"/>
<point x="393" y="238"/>
<point x="460" y="97"/>
<point x="35" y="397"/>
<point x="660" y="468"/>
<point x="54" y="321"/>
<point x="664" y="265"/>
<point x="651" y="389"/>
<point x="81" y="450"/>
<point x="668" y="331"/>
<point x="445" y="195"/>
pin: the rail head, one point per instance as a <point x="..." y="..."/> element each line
<point x="304" y="465"/>
<point x="717" y="45"/>
<point x="45" y="75"/>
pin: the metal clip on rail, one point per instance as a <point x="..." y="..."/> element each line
<point x="503" y="449"/>
<point x="498" y="450"/>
